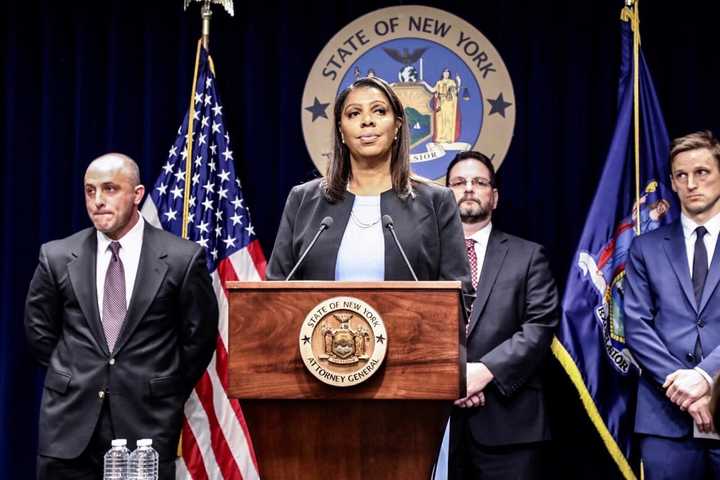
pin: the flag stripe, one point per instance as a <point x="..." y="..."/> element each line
<point x="193" y="465"/>
<point x="198" y="424"/>
<point x="223" y="455"/>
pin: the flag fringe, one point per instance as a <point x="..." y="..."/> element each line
<point x="573" y="372"/>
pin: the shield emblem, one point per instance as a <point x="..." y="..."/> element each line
<point x="417" y="100"/>
<point x="343" y="345"/>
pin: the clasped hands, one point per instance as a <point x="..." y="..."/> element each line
<point x="690" y="391"/>
<point x="478" y="376"/>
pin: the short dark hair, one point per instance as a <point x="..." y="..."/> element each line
<point x="694" y="141"/>
<point x="338" y="169"/>
<point x="471" y="154"/>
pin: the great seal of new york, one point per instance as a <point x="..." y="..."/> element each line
<point x="343" y="341"/>
<point x="455" y="87"/>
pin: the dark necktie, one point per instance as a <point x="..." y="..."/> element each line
<point x="114" y="306"/>
<point x="472" y="257"/>
<point x="699" y="273"/>
<point x="700" y="264"/>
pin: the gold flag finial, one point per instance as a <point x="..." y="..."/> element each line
<point x="206" y="14"/>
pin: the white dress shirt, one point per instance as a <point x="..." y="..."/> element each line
<point x="710" y="238"/>
<point x="481" y="238"/>
<point x="130" y="247"/>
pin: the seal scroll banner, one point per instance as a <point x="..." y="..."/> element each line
<point x="454" y="85"/>
<point x="343" y="341"/>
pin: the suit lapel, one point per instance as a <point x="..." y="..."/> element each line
<point x="83" y="277"/>
<point x="495" y="254"/>
<point x="675" y="251"/>
<point x="150" y="274"/>
<point x="404" y="223"/>
<point x="711" y="282"/>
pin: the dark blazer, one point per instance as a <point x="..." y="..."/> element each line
<point x="427" y="225"/>
<point x="163" y="348"/>
<point x="663" y="321"/>
<point x="511" y="327"/>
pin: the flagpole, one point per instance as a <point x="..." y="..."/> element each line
<point x="206" y="14"/>
<point x="635" y="24"/>
<point x="188" y="147"/>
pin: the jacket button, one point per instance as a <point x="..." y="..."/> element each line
<point x="112" y="361"/>
<point x="101" y="394"/>
<point x="690" y="357"/>
<point x="700" y="323"/>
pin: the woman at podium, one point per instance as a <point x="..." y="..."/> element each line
<point x="342" y="226"/>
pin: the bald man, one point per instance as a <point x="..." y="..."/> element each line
<point x="124" y="317"/>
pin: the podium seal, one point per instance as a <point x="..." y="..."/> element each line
<point x="343" y="341"/>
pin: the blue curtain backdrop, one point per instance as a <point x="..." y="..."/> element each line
<point x="83" y="78"/>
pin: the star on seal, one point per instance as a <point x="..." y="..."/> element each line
<point x="318" y="109"/>
<point x="498" y="105"/>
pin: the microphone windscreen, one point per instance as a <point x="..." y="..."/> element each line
<point x="387" y="221"/>
<point x="327" y="222"/>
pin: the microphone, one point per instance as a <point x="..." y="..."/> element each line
<point x="324" y="225"/>
<point x="388" y="223"/>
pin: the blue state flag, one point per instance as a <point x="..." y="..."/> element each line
<point x="590" y="342"/>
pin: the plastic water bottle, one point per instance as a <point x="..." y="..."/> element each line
<point x="143" y="461"/>
<point x="116" y="461"/>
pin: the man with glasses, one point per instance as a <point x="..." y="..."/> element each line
<point x="672" y="319"/>
<point x="501" y="428"/>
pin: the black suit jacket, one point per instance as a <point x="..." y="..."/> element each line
<point x="427" y="225"/>
<point x="511" y="327"/>
<point x="162" y="350"/>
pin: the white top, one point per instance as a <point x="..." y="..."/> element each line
<point x="130" y="247"/>
<point x="481" y="238"/>
<point x="118" y="442"/>
<point x="361" y="256"/>
<point x="710" y="238"/>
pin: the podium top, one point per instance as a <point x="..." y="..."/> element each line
<point x="339" y="285"/>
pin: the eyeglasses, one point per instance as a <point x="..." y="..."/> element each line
<point x="460" y="182"/>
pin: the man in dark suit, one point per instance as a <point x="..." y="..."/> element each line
<point x="124" y="317"/>
<point x="501" y="428"/>
<point x="672" y="319"/>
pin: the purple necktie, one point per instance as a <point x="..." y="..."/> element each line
<point x="114" y="307"/>
<point x="472" y="257"/>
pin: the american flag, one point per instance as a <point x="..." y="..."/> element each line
<point x="215" y="440"/>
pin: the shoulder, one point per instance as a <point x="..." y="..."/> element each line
<point x="427" y="190"/>
<point x="519" y="246"/>
<point x="312" y="188"/>
<point x="654" y="237"/>
<point x="169" y="243"/>
<point x="71" y="244"/>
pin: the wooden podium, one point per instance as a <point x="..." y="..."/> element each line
<point x="388" y="427"/>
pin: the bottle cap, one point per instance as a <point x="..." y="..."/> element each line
<point x="119" y="442"/>
<point x="144" y="442"/>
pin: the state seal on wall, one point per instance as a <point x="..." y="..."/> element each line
<point x="454" y="85"/>
<point x="343" y="341"/>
